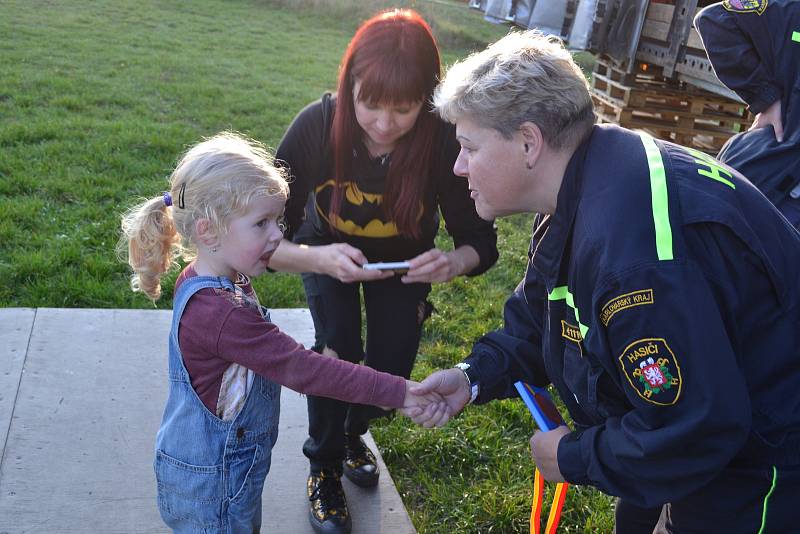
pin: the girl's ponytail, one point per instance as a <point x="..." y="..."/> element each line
<point x="214" y="181"/>
<point x="150" y="243"/>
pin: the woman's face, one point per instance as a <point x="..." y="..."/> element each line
<point x="499" y="181"/>
<point x="384" y="124"/>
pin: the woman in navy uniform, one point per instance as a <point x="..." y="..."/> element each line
<point x="754" y="47"/>
<point x="660" y="300"/>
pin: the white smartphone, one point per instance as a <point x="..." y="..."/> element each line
<point x="387" y="266"/>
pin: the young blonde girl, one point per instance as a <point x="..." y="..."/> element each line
<point x="227" y="360"/>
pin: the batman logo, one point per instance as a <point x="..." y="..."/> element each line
<point x="361" y="213"/>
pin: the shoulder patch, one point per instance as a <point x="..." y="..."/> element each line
<point x="652" y="370"/>
<point x="628" y="300"/>
<point x="746" y="6"/>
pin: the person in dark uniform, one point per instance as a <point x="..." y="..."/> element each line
<point x="660" y="300"/>
<point x="371" y="171"/>
<point x="754" y="47"/>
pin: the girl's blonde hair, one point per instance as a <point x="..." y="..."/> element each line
<point x="215" y="180"/>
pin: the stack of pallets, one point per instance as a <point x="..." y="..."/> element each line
<point x="665" y="108"/>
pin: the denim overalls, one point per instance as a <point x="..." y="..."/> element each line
<point x="211" y="472"/>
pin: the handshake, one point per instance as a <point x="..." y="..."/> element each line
<point x="435" y="400"/>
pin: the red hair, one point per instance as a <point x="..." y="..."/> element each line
<point x="395" y="57"/>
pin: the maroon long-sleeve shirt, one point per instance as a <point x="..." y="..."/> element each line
<point x="217" y="330"/>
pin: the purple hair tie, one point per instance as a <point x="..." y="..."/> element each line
<point x="167" y="199"/>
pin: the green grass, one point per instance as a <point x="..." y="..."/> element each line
<point x="98" y="99"/>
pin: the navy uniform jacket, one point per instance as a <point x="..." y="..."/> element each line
<point x="754" y="47"/>
<point x="661" y="301"/>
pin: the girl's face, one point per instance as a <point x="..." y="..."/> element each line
<point x="384" y="124"/>
<point x="251" y="238"/>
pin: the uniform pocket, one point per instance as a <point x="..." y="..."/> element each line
<point x="582" y="380"/>
<point x="576" y="373"/>
<point x="189" y="496"/>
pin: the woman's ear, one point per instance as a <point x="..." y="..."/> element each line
<point x="204" y="233"/>
<point x="532" y="142"/>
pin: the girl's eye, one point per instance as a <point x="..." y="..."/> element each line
<point x="279" y="221"/>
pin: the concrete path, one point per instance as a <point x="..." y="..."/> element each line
<point x="81" y="396"/>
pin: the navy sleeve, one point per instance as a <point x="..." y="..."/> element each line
<point x="513" y="352"/>
<point x="302" y="154"/>
<point x="458" y="209"/>
<point x="739" y="46"/>
<point x="677" y="366"/>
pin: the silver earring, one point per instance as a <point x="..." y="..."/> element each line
<point x="214" y="249"/>
<point x="528" y="165"/>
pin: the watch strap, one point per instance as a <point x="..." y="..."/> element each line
<point x="471" y="380"/>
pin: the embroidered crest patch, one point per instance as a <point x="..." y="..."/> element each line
<point x="652" y="370"/>
<point x="628" y="300"/>
<point x="746" y="6"/>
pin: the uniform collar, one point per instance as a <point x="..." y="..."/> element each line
<point x="553" y="238"/>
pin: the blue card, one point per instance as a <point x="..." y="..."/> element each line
<point x="541" y="406"/>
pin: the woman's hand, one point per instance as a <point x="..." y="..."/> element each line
<point x="428" y="409"/>
<point x="343" y="262"/>
<point x="544" y="450"/>
<point x="437" y="266"/>
<point x="451" y="386"/>
<point x="770" y="117"/>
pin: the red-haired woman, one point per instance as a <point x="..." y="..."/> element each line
<point x="371" y="169"/>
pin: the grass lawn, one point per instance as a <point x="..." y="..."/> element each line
<point x="98" y="99"/>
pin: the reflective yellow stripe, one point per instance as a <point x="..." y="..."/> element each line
<point x="658" y="194"/>
<point x="562" y="293"/>
<point x="558" y="293"/>
<point x="796" y="36"/>
<point x="771" y="489"/>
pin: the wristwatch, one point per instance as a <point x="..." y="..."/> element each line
<point x="469" y="372"/>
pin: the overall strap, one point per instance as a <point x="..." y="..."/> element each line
<point x="190" y="286"/>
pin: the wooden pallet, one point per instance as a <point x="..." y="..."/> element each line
<point x="667" y="109"/>
<point x="658" y="22"/>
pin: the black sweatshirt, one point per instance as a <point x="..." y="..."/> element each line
<point x="306" y="153"/>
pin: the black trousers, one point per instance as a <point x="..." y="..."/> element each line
<point x="394" y="313"/>
<point x="746" y="499"/>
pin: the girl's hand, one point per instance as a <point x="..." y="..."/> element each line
<point x="433" y="266"/>
<point x="426" y="409"/>
<point x="450" y="385"/>
<point x="343" y="262"/>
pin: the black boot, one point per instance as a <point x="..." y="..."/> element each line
<point x="360" y="465"/>
<point x="328" y="512"/>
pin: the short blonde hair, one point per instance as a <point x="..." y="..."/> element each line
<point x="525" y="76"/>
<point x="217" y="180"/>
